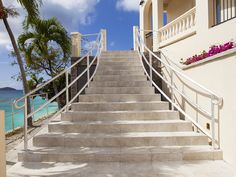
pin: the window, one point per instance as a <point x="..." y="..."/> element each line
<point x="224" y="10"/>
<point x="165" y="18"/>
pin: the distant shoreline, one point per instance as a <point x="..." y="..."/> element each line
<point x="8" y="89"/>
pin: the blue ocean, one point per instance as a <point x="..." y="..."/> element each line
<point x="15" y="118"/>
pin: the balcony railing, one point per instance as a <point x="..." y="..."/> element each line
<point x="179" y="28"/>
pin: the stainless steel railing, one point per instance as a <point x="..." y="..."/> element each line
<point x="215" y="100"/>
<point x="97" y="49"/>
<point x="13" y="114"/>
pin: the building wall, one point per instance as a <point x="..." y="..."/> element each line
<point x="175" y="8"/>
<point x="76" y="71"/>
<point x="218" y="76"/>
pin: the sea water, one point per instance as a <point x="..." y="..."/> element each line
<point x="12" y="122"/>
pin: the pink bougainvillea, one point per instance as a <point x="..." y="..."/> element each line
<point x="212" y="51"/>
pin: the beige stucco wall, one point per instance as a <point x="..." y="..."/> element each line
<point x="2" y="146"/>
<point x="175" y="8"/>
<point x="219" y="76"/>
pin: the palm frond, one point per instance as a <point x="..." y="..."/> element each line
<point x="32" y="8"/>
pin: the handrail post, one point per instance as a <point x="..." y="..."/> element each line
<point x="88" y="70"/>
<point x="135" y="45"/>
<point x="213" y="121"/>
<point x="25" y="124"/>
<point x="150" y="60"/>
<point x="104" y="39"/>
<point x="67" y="90"/>
<point x="12" y="117"/>
<point x="2" y="145"/>
<point x="32" y="105"/>
<point x="47" y="105"/>
<point x="172" y="89"/>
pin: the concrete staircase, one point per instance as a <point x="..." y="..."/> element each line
<point x="120" y="119"/>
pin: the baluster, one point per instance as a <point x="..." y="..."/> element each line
<point x="162" y="35"/>
<point x="194" y="19"/>
<point x="180" y="26"/>
<point x="183" y="25"/>
<point x="191" y="21"/>
<point x="168" y="33"/>
<point x="172" y="31"/>
<point x="177" y="28"/>
<point x="187" y="23"/>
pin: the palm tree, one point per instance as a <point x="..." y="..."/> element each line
<point x="46" y="46"/>
<point x="32" y="8"/>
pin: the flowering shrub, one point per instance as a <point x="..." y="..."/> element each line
<point x="212" y="51"/>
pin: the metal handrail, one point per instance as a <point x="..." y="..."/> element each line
<point x="98" y="49"/>
<point x="215" y="99"/>
<point x="13" y="113"/>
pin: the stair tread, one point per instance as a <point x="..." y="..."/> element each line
<point x="123" y="135"/>
<point x="131" y="111"/>
<point x="124" y="87"/>
<point x="123" y="150"/>
<point x="152" y="132"/>
<point x="120" y="94"/>
<point x="120" y="122"/>
<point x="117" y="103"/>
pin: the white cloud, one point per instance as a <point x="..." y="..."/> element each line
<point x="128" y="5"/>
<point x="15" y="24"/>
<point x="89" y="45"/>
<point x="71" y="12"/>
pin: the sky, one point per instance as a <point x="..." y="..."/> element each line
<point x="85" y="16"/>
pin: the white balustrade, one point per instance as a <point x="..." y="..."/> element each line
<point x="181" y="25"/>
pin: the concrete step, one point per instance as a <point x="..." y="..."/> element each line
<point x="120" y="139"/>
<point x="119" y="52"/>
<point x="120" y="63"/>
<point x="120" y="55"/>
<point x="119" y="115"/>
<point x="120" y="78"/>
<point x="120" y="84"/>
<point x="120" y="72"/>
<point x="119" y="59"/>
<point x="119" y="90"/>
<point x="116" y="67"/>
<point x="120" y="126"/>
<point x="137" y="154"/>
<point x="120" y="106"/>
<point x="194" y="168"/>
<point x="120" y="98"/>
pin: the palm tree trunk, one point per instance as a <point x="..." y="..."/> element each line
<point x="20" y="63"/>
